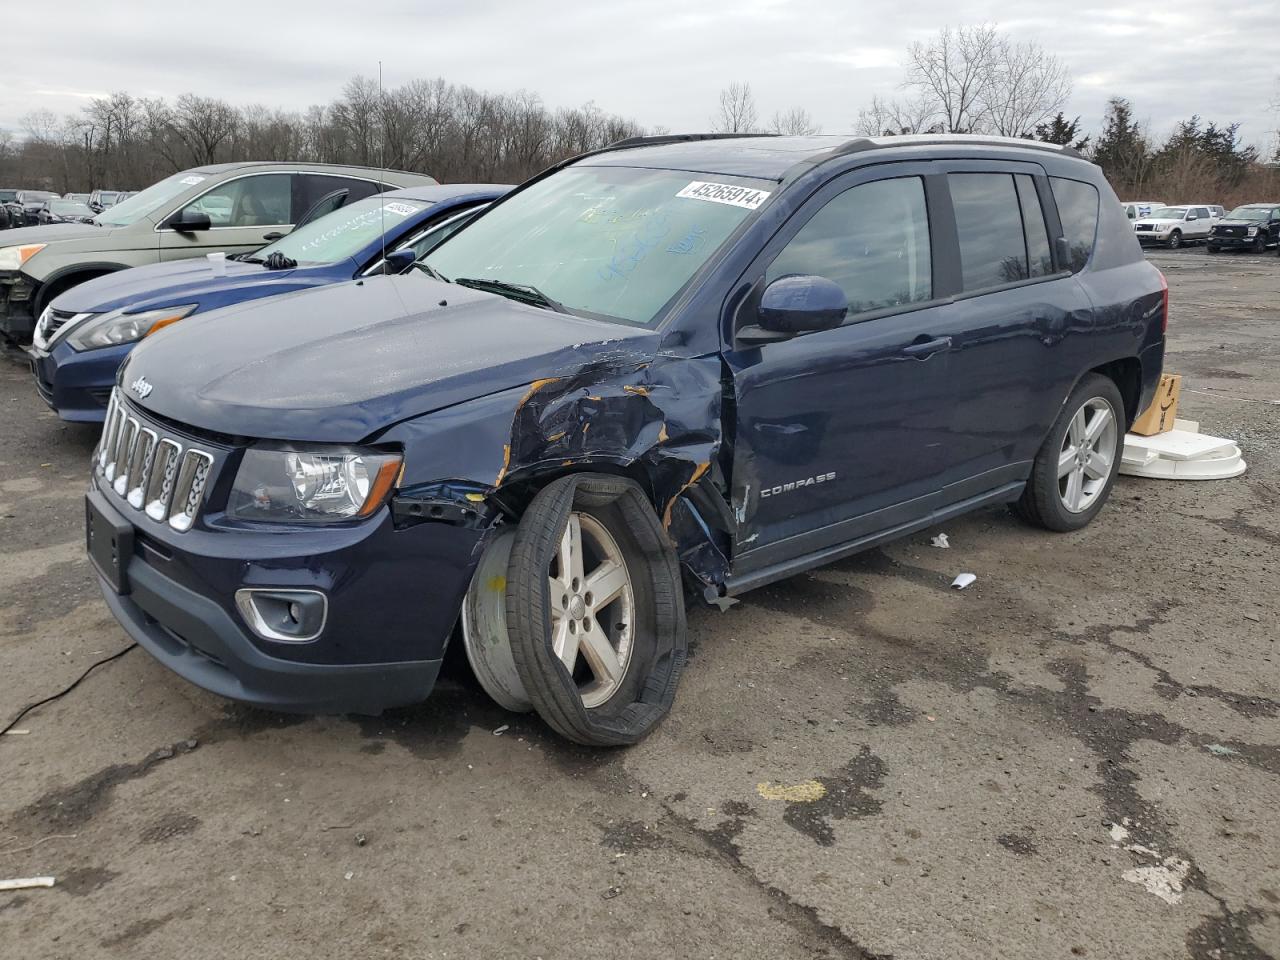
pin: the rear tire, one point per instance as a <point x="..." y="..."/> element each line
<point x="601" y="669"/>
<point x="1076" y="466"/>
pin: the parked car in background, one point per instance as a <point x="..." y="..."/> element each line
<point x="82" y="197"/>
<point x="1138" y="209"/>
<point x="85" y="334"/>
<point x="229" y="207"/>
<point x="103" y="199"/>
<point x="620" y="370"/>
<point x="1216" y="210"/>
<point x="7" y="197"/>
<point x="1254" y="226"/>
<point x="1174" y="226"/>
<point x="64" y="211"/>
<point x="25" y="210"/>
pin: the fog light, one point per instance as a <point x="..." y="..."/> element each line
<point x="286" y="616"/>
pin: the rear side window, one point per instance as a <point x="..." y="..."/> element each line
<point x="873" y="240"/>
<point x="1078" y="211"/>
<point x="311" y="188"/>
<point x="989" y="225"/>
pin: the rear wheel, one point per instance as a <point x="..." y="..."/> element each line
<point x="1175" y="240"/>
<point x="592" y="620"/>
<point x="1076" y="466"/>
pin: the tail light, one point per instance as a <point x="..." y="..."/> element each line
<point x="1164" y="305"/>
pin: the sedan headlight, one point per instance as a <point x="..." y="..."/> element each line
<point x="290" y="484"/>
<point x="12" y="258"/>
<point x="116" y="327"/>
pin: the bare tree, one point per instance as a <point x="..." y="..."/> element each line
<point x="1026" y="87"/>
<point x="794" y="122"/>
<point x="954" y="71"/>
<point x="898" y="117"/>
<point x="737" y="110"/>
<point x="203" y="124"/>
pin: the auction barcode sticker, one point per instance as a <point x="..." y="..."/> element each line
<point x="400" y="209"/>
<point x="747" y="197"/>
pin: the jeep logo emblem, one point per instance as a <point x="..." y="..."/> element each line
<point x="141" y="388"/>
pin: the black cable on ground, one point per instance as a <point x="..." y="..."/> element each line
<point x="62" y="693"/>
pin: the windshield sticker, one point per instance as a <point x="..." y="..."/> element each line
<point x="746" y="197"/>
<point x="400" y="209"/>
<point x="192" y="181"/>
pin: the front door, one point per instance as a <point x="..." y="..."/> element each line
<point x="841" y="432"/>
<point x="242" y="212"/>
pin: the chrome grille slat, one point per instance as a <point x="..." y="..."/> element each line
<point x="163" y="472"/>
<point x="189" y="490"/>
<point x="153" y="473"/>
<point x="144" y="449"/>
<point x="124" y="447"/>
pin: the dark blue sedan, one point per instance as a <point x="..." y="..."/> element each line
<point x="84" y="335"/>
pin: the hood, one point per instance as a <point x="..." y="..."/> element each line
<point x="343" y="363"/>
<point x="181" y="282"/>
<point x="1242" y="222"/>
<point x="50" y="232"/>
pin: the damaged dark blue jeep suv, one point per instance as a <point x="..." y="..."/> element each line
<point x="700" y="361"/>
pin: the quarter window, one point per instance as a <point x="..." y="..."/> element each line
<point x="1078" y="210"/>
<point x="993" y="250"/>
<point x="873" y="240"/>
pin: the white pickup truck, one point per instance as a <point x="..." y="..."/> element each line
<point x="1174" y="226"/>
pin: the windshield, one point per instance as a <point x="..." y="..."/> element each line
<point x="70" y="208"/>
<point x="1168" y="213"/>
<point x="1249" y="213"/>
<point x="346" y="231"/>
<point x="149" y="200"/>
<point x="612" y="242"/>
<point x="36" y="196"/>
<point x="8" y="196"/>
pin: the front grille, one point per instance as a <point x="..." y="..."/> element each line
<point x="1229" y="231"/>
<point x="1143" y="226"/>
<point x="50" y="322"/>
<point x="153" y="473"/>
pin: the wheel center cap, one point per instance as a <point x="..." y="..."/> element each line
<point x="577" y="607"/>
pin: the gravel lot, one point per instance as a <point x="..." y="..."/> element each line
<point x="1078" y="756"/>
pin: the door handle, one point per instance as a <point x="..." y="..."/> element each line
<point x="925" y="350"/>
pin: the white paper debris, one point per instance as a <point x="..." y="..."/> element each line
<point x="26" y="883"/>
<point x="941" y="542"/>
<point x="963" y="580"/>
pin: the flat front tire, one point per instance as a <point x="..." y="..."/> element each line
<point x="595" y="610"/>
<point x="1076" y="466"/>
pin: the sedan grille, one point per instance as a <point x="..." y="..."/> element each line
<point x="153" y="473"/>
<point x="51" y="321"/>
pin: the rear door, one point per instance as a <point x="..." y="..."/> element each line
<point x="242" y="212"/>
<point x="1009" y="366"/>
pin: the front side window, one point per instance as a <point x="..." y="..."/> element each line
<point x="1078" y="210"/>
<point x="346" y="231"/>
<point x="993" y="250"/>
<point x="616" y="243"/>
<point x="258" y="201"/>
<point x="873" y="240"/>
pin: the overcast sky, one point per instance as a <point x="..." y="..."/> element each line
<point x="661" y="62"/>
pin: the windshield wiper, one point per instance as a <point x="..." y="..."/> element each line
<point x="522" y="292"/>
<point x="246" y="258"/>
<point x="431" y="271"/>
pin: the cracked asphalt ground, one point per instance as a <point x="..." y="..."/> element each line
<point x="1078" y="756"/>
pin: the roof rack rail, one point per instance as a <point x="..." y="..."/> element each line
<point x="858" y="144"/>
<point x="678" y="138"/>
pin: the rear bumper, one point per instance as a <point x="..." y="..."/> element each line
<point x="77" y="386"/>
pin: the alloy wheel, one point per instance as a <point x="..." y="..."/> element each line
<point x="1088" y="452"/>
<point x="592" y="608"/>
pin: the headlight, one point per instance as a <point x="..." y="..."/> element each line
<point x="283" y="483"/>
<point x="116" y="327"/>
<point x="1253" y="231"/>
<point x="12" y="258"/>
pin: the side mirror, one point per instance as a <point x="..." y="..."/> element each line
<point x="796" y="304"/>
<point x="189" y="221"/>
<point x="1192" y="216"/>
<point x="398" y="261"/>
